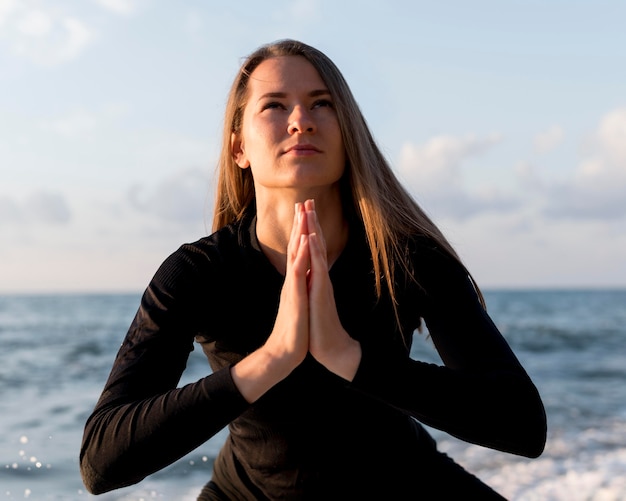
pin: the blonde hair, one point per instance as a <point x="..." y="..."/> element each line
<point x="374" y="194"/>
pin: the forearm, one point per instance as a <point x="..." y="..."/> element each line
<point x="496" y="408"/>
<point x="258" y="372"/>
<point x="125" y="442"/>
<point x="343" y="359"/>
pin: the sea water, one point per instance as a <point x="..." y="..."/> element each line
<point x="56" y="352"/>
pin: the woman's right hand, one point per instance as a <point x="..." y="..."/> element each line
<point x="289" y="340"/>
<point x="288" y="344"/>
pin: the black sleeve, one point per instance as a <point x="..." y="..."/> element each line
<point x="481" y="394"/>
<point x="142" y="421"/>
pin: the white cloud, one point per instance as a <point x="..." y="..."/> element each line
<point x="75" y="125"/>
<point x="40" y="207"/>
<point x="9" y="210"/>
<point x="527" y="174"/>
<point x="440" y="158"/>
<point x="194" y="24"/>
<point x="181" y="198"/>
<point x="48" y="208"/>
<point x="304" y="9"/>
<point x="433" y="172"/>
<point x="301" y="11"/>
<point x="45" y="37"/>
<point x="549" y="139"/>
<point x="122" y="7"/>
<point x="6" y="7"/>
<point x="78" y="37"/>
<point x="598" y="187"/>
<point x="611" y="137"/>
<point x="522" y="250"/>
<point x="80" y="123"/>
<point x="35" y="23"/>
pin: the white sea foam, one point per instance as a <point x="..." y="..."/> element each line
<point x="593" y="477"/>
<point x="588" y="466"/>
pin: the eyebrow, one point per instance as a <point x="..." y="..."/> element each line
<point x="282" y="95"/>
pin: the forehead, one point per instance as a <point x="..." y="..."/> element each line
<point x="284" y="74"/>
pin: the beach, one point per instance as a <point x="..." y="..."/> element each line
<point x="57" y="351"/>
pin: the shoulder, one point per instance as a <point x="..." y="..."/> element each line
<point x="424" y="251"/>
<point x="204" y="260"/>
<point x="432" y="264"/>
<point x="223" y="243"/>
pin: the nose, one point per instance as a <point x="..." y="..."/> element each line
<point x="301" y="121"/>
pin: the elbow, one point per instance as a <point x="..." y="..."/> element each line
<point x="103" y="464"/>
<point x="537" y="436"/>
<point x="93" y="464"/>
<point x="537" y="423"/>
<point x="533" y="448"/>
<point x="523" y="439"/>
<point x="99" y="482"/>
<point x="532" y="430"/>
<point x="102" y="471"/>
<point x="536" y="451"/>
<point x="93" y="481"/>
<point x="524" y="426"/>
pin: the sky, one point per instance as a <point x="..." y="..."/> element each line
<point x="506" y="120"/>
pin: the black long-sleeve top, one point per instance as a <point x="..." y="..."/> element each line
<point x="313" y="429"/>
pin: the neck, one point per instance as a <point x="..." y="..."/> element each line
<point x="275" y="218"/>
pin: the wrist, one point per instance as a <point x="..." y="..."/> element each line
<point x="343" y="361"/>
<point x="258" y="372"/>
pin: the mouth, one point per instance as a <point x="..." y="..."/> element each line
<point x="303" y="149"/>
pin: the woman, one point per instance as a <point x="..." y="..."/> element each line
<point x="306" y="316"/>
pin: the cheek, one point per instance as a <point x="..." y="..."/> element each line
<point x="335" y="130"/>
<point x="339" y="144"/>
<point x="263" y="133"/>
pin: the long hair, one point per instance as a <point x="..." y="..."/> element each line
<point x="375" y="196"/>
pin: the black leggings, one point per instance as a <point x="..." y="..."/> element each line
<point x="211" y="492"/>
<point x="441" y="480"/>
<point x="445" y="479"/>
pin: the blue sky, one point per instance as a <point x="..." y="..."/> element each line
<point x="506" y="119"/>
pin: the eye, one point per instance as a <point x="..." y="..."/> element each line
<point x="323" y="103"/>
<point x="273" y="105"/>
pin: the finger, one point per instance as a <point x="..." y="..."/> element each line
<point x="317" y="250"/>
<point x="315" y="228"/>
<point x="312" y="219"/>
<point x="309" y="206"/>
<point x="301" y="262"/>
<point x="298" y="228"/>
<point x="296" y="218"/>
<point x="293" y="244"/>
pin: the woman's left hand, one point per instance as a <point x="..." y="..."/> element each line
<point x="329" y="343"/>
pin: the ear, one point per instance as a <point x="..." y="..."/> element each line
<point x="238" y="151"/>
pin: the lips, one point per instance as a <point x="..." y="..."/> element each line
<point x="303" y="149"/>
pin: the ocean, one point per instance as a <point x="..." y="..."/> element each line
<point x="56" y="352"/>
